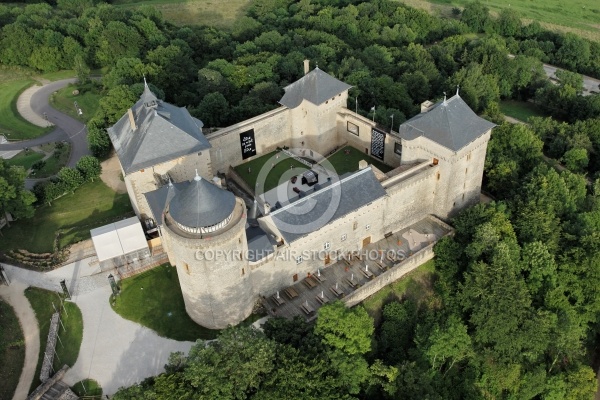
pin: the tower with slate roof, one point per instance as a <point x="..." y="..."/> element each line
<point x="204" y="231"/>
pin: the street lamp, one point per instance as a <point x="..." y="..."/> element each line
<point x="113" y="284"/>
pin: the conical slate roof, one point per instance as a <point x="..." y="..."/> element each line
<point x="201" y="204"/>
<point x="450" y="123"/>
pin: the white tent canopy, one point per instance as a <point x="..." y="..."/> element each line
<point x="118" y="239"/>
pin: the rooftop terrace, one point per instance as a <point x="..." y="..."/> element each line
<point x="355" y="276"/>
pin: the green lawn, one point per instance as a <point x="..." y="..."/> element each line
<point x="579" y="16"/>
<point x="73" y="215"/>
<point x="54" y="163"/>
<point x="88" y="101"/>
<point x="344" y="163"/>
<point x="520" y="110"/>
<point x="12" y="350"/>
<point x="12" y="125"/>
<point x="282" y="164"/>
<point x="66" y="353"/>
<point x="25" y="159"/>
<point x="417" y="282"/>
<point x="87" y="387"/>
<point x="215" y="13"/>
<point x="154" y="299"/>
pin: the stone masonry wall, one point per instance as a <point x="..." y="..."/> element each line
<point x="391" y="275"/>
<point x="50" y="346"/>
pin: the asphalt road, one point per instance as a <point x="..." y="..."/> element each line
<point x="66" y="128"/>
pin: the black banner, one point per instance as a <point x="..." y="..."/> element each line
<point x="248" y="144"/>
<point x="377" y="144"/>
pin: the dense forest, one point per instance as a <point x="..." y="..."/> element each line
<point x="513" y="312"/>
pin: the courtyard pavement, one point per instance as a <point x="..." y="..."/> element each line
<point x="14" y="296"/>
<point x="114" y="351"/>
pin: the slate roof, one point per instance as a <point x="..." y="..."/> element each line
<point x="317" y="87"/>
<point x="304" y="216"/>
<point x="159" y="198"/>
<point x="163" y="132"/>
<point x="200" y="204"/>
<point x="260" y="244"/>
<point x="451" y="123"/>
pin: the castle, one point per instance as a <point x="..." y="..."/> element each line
<point x="229" y="252"/>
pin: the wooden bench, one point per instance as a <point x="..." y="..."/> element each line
<point x="322" y="300"/>
<point x="381" y="267"/>
<point x="310" y="282"/>
<point x="291" y="293"/>
<point x="335" y="291"/>
<point x="278" y="300"/>
<point x="307" y="309"/>
<point x="367" y="274"/>
<point x="321" y="278"/>
<point x="352" y="284"/>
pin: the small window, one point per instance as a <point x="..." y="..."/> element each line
<point x="469" y="157"/>
<point x="368" y="227"/>
<point x="326" y="246"/>
<point x="466" y="170"/>
<point x="187" y="268"/>
<point x="243" y="272"/>
<point x="344" y="237"/>
<point x="463" y="197"/>
<point x="438" y="176"/>
<point x="398" y="148"/>
<point x="295" y="278"/>
<point x="298" y="260"/>
<point x="355" y="225"/>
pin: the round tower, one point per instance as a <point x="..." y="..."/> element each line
<point x="205" y="230"/>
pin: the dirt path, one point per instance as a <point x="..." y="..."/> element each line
<point x="14" y="296"/>
<point x="111" y="174"/>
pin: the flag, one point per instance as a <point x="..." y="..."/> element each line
<point x="373" y="108"/>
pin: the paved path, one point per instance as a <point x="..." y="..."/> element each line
<point x="24" y="107"/>
<point x="14" y="295"/>
<point x="114" y="351"/>
<point x="67" y="128"/>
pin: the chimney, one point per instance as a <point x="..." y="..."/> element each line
<point x="306" y="66"/>
<point x="426" y="106"/>
<point x="131" y="119"/>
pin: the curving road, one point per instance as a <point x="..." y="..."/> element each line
<point x="66" y="128"/>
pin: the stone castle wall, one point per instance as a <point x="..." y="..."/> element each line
<point x="214" y="277"/>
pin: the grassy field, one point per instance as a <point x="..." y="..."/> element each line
<point x="12" y="351"/>
<point x="520" y="110"/>
<point x="282" y="164"/>
<point x="216" y="13"/>
<point x="12" y="83"/>
<point x="25" y="159"/>
<point x="12" y="125"/>
<point x="88" y="100"/>
<point x="417" y="283"/>
<point x="344" y="163"/>
<point x="66" y="353"/>
<point x="87" y="387"/>
<point x="96" y="204"/>
<point x="578" y="16"/>
<point x="154" y="299"/>
<point x="54" y="163"/>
